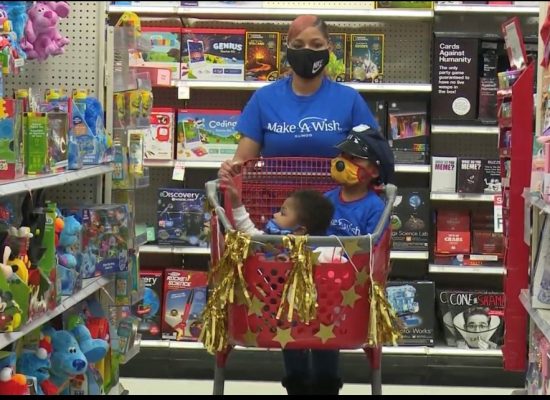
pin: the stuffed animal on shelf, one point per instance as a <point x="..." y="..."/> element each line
<point x="68" y="262"/>
<point x="42" y="37"/>
<point x="11" y="383"/>
<point x="67" y="361"/>
<point x="37" y="364"/>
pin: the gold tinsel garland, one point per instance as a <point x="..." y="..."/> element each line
<point x="384" y="324"/>
<point x="299" y="292"/>
<point x="226" y="277"/>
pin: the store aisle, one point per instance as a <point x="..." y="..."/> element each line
<point x="203" y="387"/>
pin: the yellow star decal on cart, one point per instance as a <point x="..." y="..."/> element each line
<point x="362" y="277"/>
<point x="283" y="337"/>
<point x="256" y="306"/>
<point x="250" y="338"/>
<point x="315" y="258"/>
<point x="349" y="297"/>
<point x="352" y="247"/>
<point x="326" y="332"/>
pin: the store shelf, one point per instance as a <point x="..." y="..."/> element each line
<point x="118" y="390"/>
<point x="90" y="287"/>
<point x="541" y="318"/>
<point x="360" y="87"/>
<point x="276" y="13"/>
<point x="409" y="255"/>
<point x="484" y="9"/>
<point x="188" y="164"/>
<point x="468" y="197"/>
<point x="154" y="249"/>
<point x="30" y="183"/>
<point x="465" y="129"/>
<point x="396" y="350"/>
<point x="467" y="270"/>
<point x="413" y="168"/>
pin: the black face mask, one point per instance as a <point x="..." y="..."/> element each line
<point x="307" y="63"/>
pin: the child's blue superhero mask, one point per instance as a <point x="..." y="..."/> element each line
<point x="272" y="228"/>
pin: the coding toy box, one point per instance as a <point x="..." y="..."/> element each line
<point x="414" y="303"/>
<point x="408" y="131"/>
<point x="159" y="143"/>
<point x="262" y="56"/>
<point x="367" y="58"/>
<point x="149" y="310"/>
<point x="411" y="219"/>
<point x="472" y="319"/>
<point x="184" y="300"/>
<point x="207" y="134"/>
<point x="181" y="217"/>
<point x="213" y="54"/>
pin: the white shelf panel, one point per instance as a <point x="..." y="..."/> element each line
<point x="90" y="286"/>
<point x="360" y="87"/>
<point x="397" y="350"/>
<point x="188" y="164"/>
<point x="467" y="270"/>
<point x="154" y="249"/>
<point x="462" y="197"/>
<point x="484" y="9"/>
<point x="479" y="130"/>
<point x="541" y="318"/>
<point x="29" y="183"/>
<point x="275" y="13"/>
<point x="413" y="168"/>
<point x="409" y="255"/>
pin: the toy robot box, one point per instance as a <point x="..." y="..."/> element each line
<point x="184" y="300"/>
<point x="181" y="218"/>
<point x="149" y="310"/>
<point x="414" y="303"/>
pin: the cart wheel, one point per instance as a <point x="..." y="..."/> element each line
<point x="219" y="372"/>
<point x="375" y="359"/>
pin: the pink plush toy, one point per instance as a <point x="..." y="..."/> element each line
<point x="42" y="38"/>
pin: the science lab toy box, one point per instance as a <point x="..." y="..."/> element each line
<point x="212" y="54"/>
<point x="208" y="135"/>
<point x="184" y="300"/>
<point x="161" y="49"/>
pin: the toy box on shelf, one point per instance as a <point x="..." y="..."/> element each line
<point x="411" y="220"/>
<point x="366" y="57"/>
<point x="408" y="131"/>
<point x="182" y="219"/>
<point x="11" y="139"/>
<point x="159" y="143"/>
<point x="105" y="240"/>
<point x="149" y="310"/>
<point x="207" y="134"/>
<point x="213" y="54"/>
<point x="262" y="56"/>
<point x="184" y="300"/>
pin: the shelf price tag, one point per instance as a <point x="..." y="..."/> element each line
<point x="184" y="92"/>
<point x="179" y="171"/>
<point x="499" y="226"/>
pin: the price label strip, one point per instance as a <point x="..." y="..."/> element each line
<point x="179" y="171"/>
<point x="499" y="225"/>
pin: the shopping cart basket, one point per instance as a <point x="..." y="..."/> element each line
<point x="342" y="288"/>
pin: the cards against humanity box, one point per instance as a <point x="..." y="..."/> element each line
<point x="262" y="56"/>
<point x="444" y="174"/>
<point x="411" y="219"/>
<point x="488" y="82"/>
<point x="455" y="78"/>
<point x="408" y="131"/>
<point x="491" y="176"/>
<point x="184" y="300"/>
<point x="414" y="303"/>
<point x="212" y="54"/>
<point x="149" y="310"/>
<point x="472" y="319"/>
<point x="181" y="217"/>
<point x="470" y="176"/>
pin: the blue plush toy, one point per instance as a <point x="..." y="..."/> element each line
<point x="68" y="263"/>
<point x="93" y="115"/>
<point x="67" y="360"/>
<point x="37" y="364"/>
<point x="17" y="14"/>
<point x="95" y="350"/>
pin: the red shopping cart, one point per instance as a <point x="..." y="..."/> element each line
<point x="343" y="305"/>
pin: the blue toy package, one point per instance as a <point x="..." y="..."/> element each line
<point x="104" y="240"/>
<point x="149" y="310"/>
<point x="182" y="219"/>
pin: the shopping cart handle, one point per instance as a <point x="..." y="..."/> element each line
<point x="212" y="190"/>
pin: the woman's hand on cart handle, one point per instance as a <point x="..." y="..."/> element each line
<point x="229" y="169"/>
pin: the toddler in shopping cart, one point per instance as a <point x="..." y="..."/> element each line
<point x="365" y="162"/>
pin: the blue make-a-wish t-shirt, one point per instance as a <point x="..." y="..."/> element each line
<point x="354" y="218"/>
<point x="288" y="125"/>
